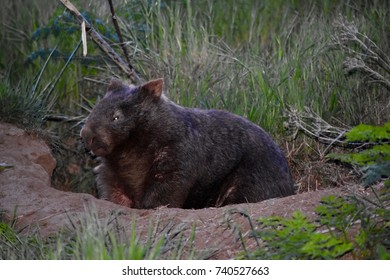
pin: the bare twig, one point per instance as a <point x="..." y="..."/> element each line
<point x="118" y="31"/>
<point x="315" y="127"/>
<point x="104" y="46"/>
<point x="61" y="118"/>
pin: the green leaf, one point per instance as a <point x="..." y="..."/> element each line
<point x="379" y="153"/>
<point x="383" y="252"/>
<point x="325" y="246"/>
<point x="368" y="133"/>
<point x="336" y="212"/>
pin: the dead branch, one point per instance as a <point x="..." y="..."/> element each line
<point x="364" y="55"/>
<point x="118" y="31"/>
<point x="62" y="118"/>
<point x="315" y="127"/>
<point x="103" y="45"/>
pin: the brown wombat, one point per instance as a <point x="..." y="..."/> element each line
<point x="154" y="153"/>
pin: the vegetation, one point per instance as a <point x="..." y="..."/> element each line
<point x="346" y="227"/>
<point x="254" y="65"/>
<point x="373" y="157"/>
<point x="90" y="238"/>
<point x="22" y="105"/>
<point x="258" y="59"/>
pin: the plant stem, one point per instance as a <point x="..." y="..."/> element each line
<point x="118" y="31"/>
<point x="103" y="45"/>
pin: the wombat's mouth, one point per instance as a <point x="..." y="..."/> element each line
<point x="100" y="152"/>
<point x="98" y="149"/>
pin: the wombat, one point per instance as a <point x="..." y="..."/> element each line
<point x="155" y="153"/>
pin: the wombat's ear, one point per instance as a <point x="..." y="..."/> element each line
<point x="153" y="88"/>
<point x="115" y="84"/>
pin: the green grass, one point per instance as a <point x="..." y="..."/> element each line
<point x="257" y="63"/>
<point x="21" y="105"/>
<point x="18" y="19"/>
<point x="253" y="58"/>
<point x="89" y="237"/>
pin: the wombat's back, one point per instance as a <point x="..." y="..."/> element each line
<point x="236" y="161"/>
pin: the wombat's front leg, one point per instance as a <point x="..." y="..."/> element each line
<point x="112" y="189"/>
<point x="168" y="193"/>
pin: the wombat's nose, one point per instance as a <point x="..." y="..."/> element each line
<point x="87" y="135"/>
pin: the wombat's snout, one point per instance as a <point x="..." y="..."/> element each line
<point x="87" y="135"/>
<point x="95" y="141"/>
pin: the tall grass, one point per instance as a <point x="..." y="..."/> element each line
<point x="18" y="19"/>
<point x="255" y="58"/>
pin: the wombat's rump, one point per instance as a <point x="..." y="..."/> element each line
<point x="154" y="153"/>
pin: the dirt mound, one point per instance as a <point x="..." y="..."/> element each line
<point x="27" y="196"/>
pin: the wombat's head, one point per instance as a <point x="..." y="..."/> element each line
<point x="118" y="114"/>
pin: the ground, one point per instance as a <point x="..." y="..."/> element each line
<point x="26" y="196"/>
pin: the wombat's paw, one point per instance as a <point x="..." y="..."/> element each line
<point x="122" y="199"/>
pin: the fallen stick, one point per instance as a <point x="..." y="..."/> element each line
<point x="103" y="45"/>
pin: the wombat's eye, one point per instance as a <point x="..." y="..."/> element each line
<point x="117" y="115"/>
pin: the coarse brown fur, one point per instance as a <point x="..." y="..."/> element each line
<point x="154" y="152"/>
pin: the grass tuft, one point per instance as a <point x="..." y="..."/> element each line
<point x="20" y="105"/>
<point x="89" y="237"/>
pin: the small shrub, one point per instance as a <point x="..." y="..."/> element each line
<point x="344" y="226"/>
<point x="296" y="238"/>
<point x="373" y="158"/>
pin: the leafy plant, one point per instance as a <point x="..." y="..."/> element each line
<point x="344" y="226"/>
<point x="373" y="161"/>
<point x="61" y="30"/>
<point x="369" y="133"/>
<point x="296" y="238"/>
